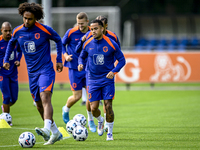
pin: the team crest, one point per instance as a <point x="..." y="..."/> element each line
<point x="105" y="49"/>
<point x="37" y="36"/>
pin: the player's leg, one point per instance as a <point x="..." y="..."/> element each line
<point x="97" y="114"/>
<point x="108" y="96"/>
<point x="105" y="123"/>
<point x="14" y="88"/>
<point x="6" y="93"/>
<point x="48" y="118"/>
<point x="47" y="106"/>
<point x="40" y="108"/>
<point x="84" y="96"/>
<point x="91" y="124"/>
<point x="35" y="93"/>
<point x="94" y="95"/>
<point x="46" y="83"/>
<point x="70" y="102"/>
<point x="76" y="81"/>
<point x="109" y="118"/>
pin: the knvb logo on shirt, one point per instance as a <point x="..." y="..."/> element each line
<point x="105" y="49"/>
<point x="29" y="46"/>
<point x="98" y="59"/>
<point x="37" y="36"/>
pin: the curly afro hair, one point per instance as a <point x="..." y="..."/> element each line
<point x="34" y="8"/>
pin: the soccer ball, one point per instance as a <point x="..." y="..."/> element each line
<point x="27" y="139"/>
<point x="80" y="119"/>
<point x="80" y="133"/>
<point x="71" y="125"/>
<point x="7" y="117"/>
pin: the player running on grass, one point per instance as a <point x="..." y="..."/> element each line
<point x="88" y="35"/>
<point x="100" y="52"/>
<point x="34" y="40"/>
<point x="8" y="78"/>
<point x="77" y="79"/>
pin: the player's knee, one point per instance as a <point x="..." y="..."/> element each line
<point x="93" y="108"/>
<point x="12" y="102"/>
<point x="108" y="106"/>
<point x="77" y="96"/>
<point x="6" y="100"/>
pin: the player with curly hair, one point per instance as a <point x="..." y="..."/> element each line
<point x="34" y="40"/>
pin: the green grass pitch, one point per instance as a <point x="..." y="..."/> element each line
<point x="144" y="119"/>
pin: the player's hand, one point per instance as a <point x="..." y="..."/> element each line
<point x="17" y="63"/>
<point x="68" y="57"/>
<point x="59" y="67"/>
<point x="83" y="38"/>
<point x="110" y="75"/>
<point x="80" y="67"/>
<point x="6" y="66"/>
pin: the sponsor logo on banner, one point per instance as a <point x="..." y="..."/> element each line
<point x="135" y="71"/>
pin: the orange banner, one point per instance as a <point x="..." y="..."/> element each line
<point x="145" y="67"/>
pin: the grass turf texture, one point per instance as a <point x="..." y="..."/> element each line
<point x="143" y="120"/>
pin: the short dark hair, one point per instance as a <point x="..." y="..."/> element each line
<point x="102" y="18"/>
<point x="34" y="8"/>
<point x="97" y="21"/>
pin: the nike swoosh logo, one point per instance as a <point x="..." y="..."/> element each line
<point x="76" y="39"/>
<point x="21" y="36"/>
<point x="2" y="47"/>
<point x="91" y="48"/>
<point x="43" y="87"/>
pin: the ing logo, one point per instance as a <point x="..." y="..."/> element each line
<point x="37" y="36"/>
<point x="105" y="49"/>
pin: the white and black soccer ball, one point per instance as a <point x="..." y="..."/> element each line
<point x="71" y="125"/>
<point x="7" y="117"/>
<point x="80" y="119"/>
<point x="80" y="133"/>
<point x="27" y="139"/>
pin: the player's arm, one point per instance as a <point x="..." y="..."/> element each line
<point x="67" y="57"/>
<point x="80" y="44"/>
<point x="9" y="49"/>
<point x="59" y="46"/>
<point x="121" y="59"/>
<point x="19" y="55"/>
<point x="65" y="41"/>
<point x="81" y="59"/>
